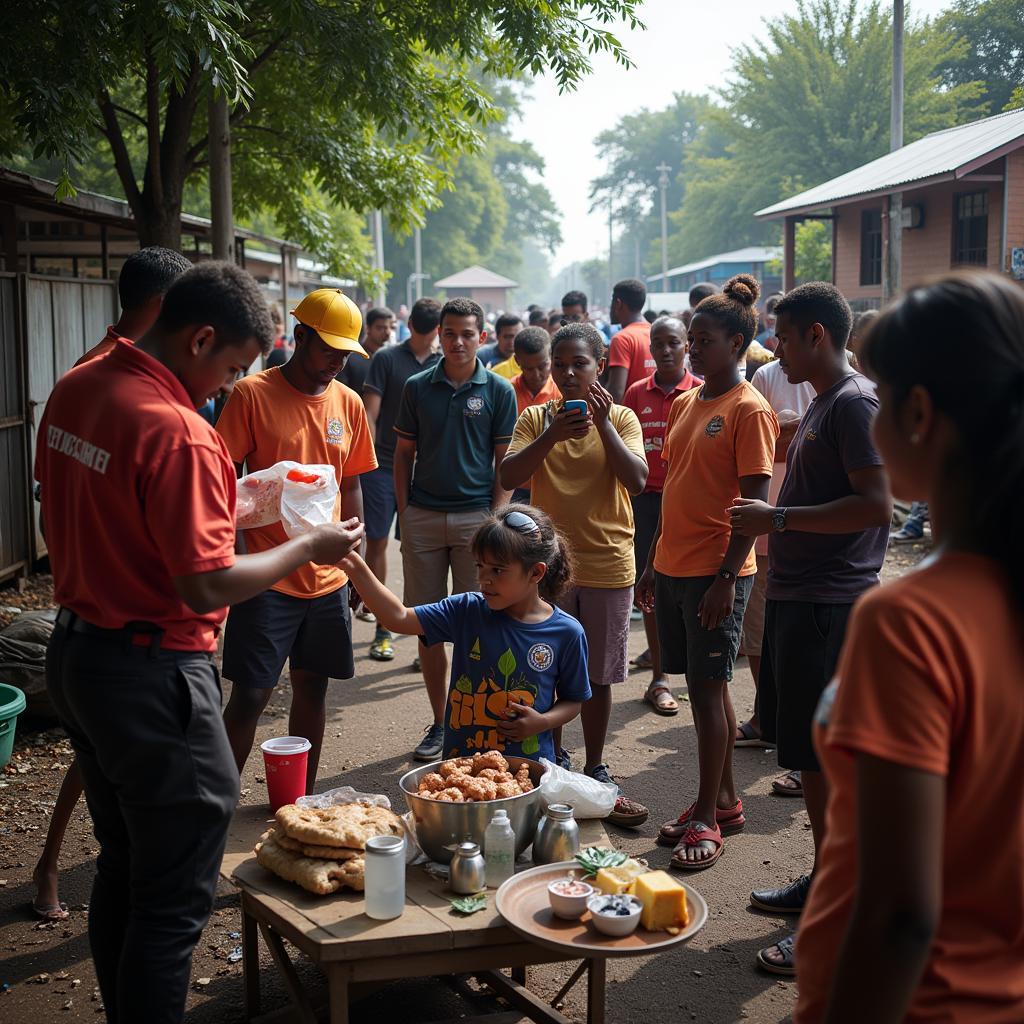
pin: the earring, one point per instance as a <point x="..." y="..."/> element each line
<point x="915" y="438"/>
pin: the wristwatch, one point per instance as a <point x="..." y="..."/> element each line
<point x="729" y="577"/>
<point x="779" y="521"/>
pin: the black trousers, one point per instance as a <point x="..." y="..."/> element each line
<point x="161" y="785"/>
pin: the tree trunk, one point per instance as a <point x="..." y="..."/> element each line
<point x="160" y="226"/>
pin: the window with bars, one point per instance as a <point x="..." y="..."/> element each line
<point x="871" y="247"/>
<point x="970" y="228"/>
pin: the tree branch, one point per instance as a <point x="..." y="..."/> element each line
<point x="130" y="113"/>
<point x="240" y="112"/>
<point x="122" y="161"/>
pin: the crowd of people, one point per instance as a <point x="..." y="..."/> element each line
<point x="724" y="472"/>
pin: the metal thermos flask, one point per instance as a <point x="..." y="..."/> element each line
<point x="558" y="836"/>
<point x="468" y="871"/>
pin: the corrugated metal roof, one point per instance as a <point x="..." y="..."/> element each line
<point x="945" y="154"/>
<point x="476" y="277"/>
<point x="751" y="254"/>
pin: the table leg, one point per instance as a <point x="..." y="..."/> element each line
<point x="289" y="976"/>
<point x="595" y="991"/>
<point x="337" y="986"/>
<point x="250" y="962"/>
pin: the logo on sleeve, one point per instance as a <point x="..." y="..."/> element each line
<point x="474" y="405"/>
<point x="540" y="657"/>
<point x="811" y="435"/>
<point x="715" y="426"/>
<point x="335" y="429"/>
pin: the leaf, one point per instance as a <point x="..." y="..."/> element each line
<point x="530" y="745"/>
<point x="593" y="858"/>
<point x="464" y="684"/>
<point x="507" y="665"/>
<point x="470" y="904"/>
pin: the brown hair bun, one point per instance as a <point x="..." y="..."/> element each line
<point x="743" y="288"/>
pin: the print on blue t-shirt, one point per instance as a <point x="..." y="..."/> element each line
<point x="497" y="659"/>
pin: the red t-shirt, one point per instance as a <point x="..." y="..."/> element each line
<point x="137" y="488"/>
<point x="101" y="348"/>
<point x="651" y="404"/>
<point x="631" y="348"/>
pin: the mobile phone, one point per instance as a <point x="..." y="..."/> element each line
<point x="576" y="405"/>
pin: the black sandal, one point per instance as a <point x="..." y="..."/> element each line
<point x="786" y="966"/>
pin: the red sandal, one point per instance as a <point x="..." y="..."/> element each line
<point x="730" y="820"/>
<point x="696" y="833"/>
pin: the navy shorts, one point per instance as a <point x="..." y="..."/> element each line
<point x="686" y="646"/>
<point x="379" y="506"/>
<point x="646" y="511"/>
<point x="313" y="634"/>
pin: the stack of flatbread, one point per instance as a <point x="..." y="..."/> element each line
<point x="321" y="848"/>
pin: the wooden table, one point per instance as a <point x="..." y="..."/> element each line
<point x="357" y="953"/>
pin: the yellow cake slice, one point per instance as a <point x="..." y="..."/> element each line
<point x="664" y="902"/>
<point x="619" y="880"/>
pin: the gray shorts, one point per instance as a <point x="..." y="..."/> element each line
<point x="604" y="615"/>
<point x="686" y="646"/>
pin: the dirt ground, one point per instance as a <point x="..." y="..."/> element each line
<point x="374" y="721"/>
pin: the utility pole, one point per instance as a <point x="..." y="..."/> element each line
<point x="663" y="169"/>
<point x="418" y="269"/>
<point x="892" y="264"/>
<point x="611" y="279"/>
<point x="221" y="214"/>
<point x="378" y="243"/>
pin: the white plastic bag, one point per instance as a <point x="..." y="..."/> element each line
<point x="307" y="503"/>
<point x="587" y="797"/>
<point x="298" y="496"/>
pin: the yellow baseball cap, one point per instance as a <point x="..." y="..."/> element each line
<point x="334" y="316"/>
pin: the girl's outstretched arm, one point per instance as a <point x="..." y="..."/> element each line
<point x="388" y="610"/>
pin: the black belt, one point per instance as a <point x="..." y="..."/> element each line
<point x="131" y="634"/>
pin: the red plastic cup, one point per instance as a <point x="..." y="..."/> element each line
<point x="284" y="758"/>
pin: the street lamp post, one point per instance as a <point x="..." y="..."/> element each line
<point x="663" y="169"/>
<point x="413" y="277"/>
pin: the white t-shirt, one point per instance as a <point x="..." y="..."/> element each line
<point x="771" y="381"/>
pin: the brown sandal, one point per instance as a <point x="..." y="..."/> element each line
<point x="696" y="834"/>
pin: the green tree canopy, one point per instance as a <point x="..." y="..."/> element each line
<point x="361" y="104"/>
<point x="994" y="31"/>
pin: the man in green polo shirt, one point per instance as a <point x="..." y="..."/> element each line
<point x="454" y="425"/>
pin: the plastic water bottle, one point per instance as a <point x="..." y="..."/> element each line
<point x="499" y="850"/>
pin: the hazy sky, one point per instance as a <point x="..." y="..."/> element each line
<point x="685" y="48"/>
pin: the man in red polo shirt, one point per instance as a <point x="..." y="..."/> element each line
<point x="651" y="399"/>
<point x="142" y="283"/>
<point x="138" y="499"/>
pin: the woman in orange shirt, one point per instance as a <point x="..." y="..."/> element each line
<point x="917" y="908"/>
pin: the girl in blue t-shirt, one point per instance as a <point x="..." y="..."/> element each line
<point x="519" y="665"/>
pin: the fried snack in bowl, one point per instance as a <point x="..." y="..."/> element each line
<point x="504" y="790"/>
<point x="479" y="789"/>
<point x="432" y="783"/>
<point x="523" y="779"/>
<point x="492" y="759"/>
<point x="450" y="796"/>
<point x="461" y="765"/>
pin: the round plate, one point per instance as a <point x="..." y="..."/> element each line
<point x="523" y="902"/>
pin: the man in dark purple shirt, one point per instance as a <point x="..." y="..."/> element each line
<point x="826" y="546"/>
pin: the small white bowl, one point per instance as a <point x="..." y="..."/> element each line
<point x="571" y="908"/>
<point x="615" y="925"/>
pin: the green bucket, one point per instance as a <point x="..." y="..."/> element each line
<point x="12" y="703"/>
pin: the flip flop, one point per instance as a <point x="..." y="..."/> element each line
<point x="730" y="821"/>
<point x="642" y="660"/>
<point x="53" y="912"/>
<point x="747" y="736"/>
<point x="788" y="784"/>
<point x="659" y="696"/>
<point x="696" y="834"/>
<point x="787" y="966"/>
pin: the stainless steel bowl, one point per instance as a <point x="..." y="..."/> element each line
<point x="439" y="825"/>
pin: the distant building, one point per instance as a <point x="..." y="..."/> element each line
<point x="481" y="285"/>
<point x="963" y="206"/>
<point x="763" y="261"/>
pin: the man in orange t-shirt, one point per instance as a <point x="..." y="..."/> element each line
<point x="141" y="285"/>
<point x="297" y="412"/>
<point x="629" y="355"/>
